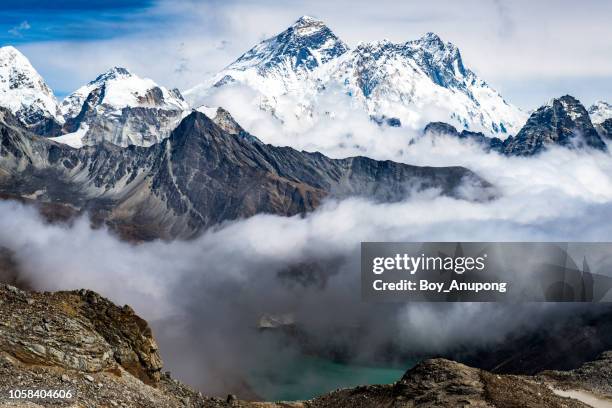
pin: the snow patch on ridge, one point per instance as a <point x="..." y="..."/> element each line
<point x="74" y="139"/>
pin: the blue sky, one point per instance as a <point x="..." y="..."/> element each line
<point x="529" y="51"/>
<point x="31" y="20"/>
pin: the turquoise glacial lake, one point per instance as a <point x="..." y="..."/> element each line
<point x="308" y="377"/>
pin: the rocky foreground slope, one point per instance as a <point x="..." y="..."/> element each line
<point x="107" y="357"/>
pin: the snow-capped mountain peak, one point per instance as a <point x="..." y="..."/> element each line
<point x="307" y="25"/>
<point x="24" y="92"/>
<point x="303" y="46"/>
<point x="431" y="44"/>
<point x="118" y="88"/>
<point x="600" y="111"/>
<point x="112" y="73"/>
<point x="441" y="61"/>
<point x="278" y="65"/>
<point x="434" y="43"/>
<point x="562" y="121"/>
<point x="122" y="108"/>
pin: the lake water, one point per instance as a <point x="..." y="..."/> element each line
<point x="307" y="377"/>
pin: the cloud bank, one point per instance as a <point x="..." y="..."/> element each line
<point x="205" y="297"/>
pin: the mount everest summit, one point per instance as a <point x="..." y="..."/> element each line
<point x="411" y="83"/>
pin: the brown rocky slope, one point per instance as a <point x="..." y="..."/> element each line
<point x="106" y="356"/>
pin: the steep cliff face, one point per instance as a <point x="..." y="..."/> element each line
<point x="564" y="122"/>
<point x="202" y="175"/>
<point x="79" y="342"/>
<point x="605" y="129"/>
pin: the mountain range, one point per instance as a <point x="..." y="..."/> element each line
<point x="410" y="83"/>
<point x="118" y="106"/>
<point x="138" y="157"/>
<point x="407" y="84"/>
<point x="149" y="163"/>
<point x="207" y="171"/>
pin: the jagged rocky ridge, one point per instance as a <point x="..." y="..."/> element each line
<point x="394" y="83"/>
<point x="107" y="356"/>
<point x="562" y="122"/>
<point x="79" y="341"/>
<point x="202" y="175"/>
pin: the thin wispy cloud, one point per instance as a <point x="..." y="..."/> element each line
<point x="17" y="31"/>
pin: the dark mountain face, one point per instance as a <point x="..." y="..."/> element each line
<point x="39" y="124"/>
<point x="441" y="61"/>
<point x="557" y="345"/>
<point x="564" y="122"/>
<point x="487" y="143"/>
<point x="200" y="176"/>
<point x="605" y="129"/>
